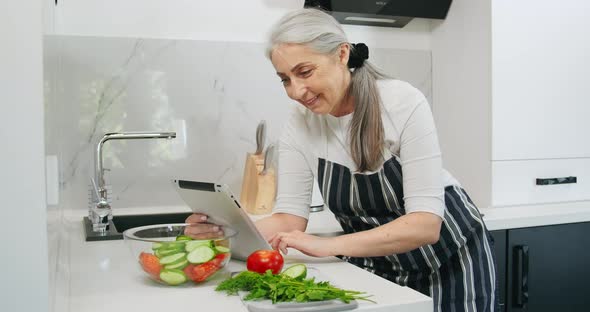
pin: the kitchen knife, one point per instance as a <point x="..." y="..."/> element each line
<point x="260" y="137"/>
<point x="268" y="155"/>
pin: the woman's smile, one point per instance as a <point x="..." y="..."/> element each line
<point x="310" y="103"/>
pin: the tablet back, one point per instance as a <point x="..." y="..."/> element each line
<point x="222" y="208"/>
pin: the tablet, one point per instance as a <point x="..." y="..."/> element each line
<point x="219" y="204"/>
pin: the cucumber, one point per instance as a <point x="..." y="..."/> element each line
<point x="163" y="252"/>
<point x="174" y="245"/>
<point x="221" y="249"/>
<point x="183" y="238"/>
<point x="179" y="265"/>
<point x="173" y="259"/>
<point x="173" y="276"/>
<point x="297" y="271"/>
<point x="200" y="254"/>
<point x="156" y="246"/>
<point x="190" y="246"/>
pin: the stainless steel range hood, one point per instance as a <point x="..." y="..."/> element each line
<point x="387" y="13"/>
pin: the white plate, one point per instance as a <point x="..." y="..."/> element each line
<point x="314" y="306"/>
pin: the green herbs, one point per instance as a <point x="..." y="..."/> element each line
<point x="282" y="288"/>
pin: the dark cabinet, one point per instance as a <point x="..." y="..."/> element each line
<point x="500" y="241"/>
<point x="544" y="268"/>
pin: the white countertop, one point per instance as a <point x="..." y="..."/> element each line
<point x="497" y="218"/>
<point x="103" y="276"/>
<point x="501" y="218"/>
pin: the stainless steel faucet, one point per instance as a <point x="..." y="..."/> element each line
<point x="101" y="213"/>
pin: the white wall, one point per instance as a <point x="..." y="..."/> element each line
<point x="229" y="20"/>
<point x="462" y="92"/>
<point x="48" y="16"/>
<point x="23" y="232"/>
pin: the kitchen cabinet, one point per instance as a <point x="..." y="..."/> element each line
<point x="197" y="20"/>
<point x="509" y="99"/>
<point x="227" y="21"/>
<point x="499" y="249"/>
<point x="544" y="268"/>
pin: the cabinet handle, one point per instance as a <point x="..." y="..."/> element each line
<point x="521" y="278"/>
<point x="551" y="181"/>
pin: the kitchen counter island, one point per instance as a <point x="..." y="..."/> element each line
<point x="103" y="276"/>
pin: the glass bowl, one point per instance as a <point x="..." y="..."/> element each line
<point x="168" y="256"/>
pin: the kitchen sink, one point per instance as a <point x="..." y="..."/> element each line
<point x="121" y="223"/>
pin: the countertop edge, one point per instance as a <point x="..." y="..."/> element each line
<point x="496" y="218"/>
<point x="512" y="217"/>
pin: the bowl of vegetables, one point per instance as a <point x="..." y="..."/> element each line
<point x="169" y="257"/>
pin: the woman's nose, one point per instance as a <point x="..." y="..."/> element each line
<point x="297" y="90"/>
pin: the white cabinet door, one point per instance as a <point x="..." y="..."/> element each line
<point x="541" y="79"/>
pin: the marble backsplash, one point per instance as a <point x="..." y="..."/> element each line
<point x="213" y="94"/>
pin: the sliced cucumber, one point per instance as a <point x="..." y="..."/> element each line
<point x="163" y="252"/>
<point x="173" y="276"/>
<point x="173" y="259"/>
<point x="183" y="238"/>
<point x="200" y="254"/>
<point x="174" y="245"/>
<point x="156" y="246"/>
<point x="190" y="246"/>
<point x="297" y="271"/>
<point x="221" y="249"/>
<point x="179" y="265"/>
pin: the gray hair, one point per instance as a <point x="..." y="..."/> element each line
<point x="322" y="33"/>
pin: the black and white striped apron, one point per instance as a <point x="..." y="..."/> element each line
<point x="458" y="271"/>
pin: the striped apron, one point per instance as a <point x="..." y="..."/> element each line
<point x="458" y="271"/>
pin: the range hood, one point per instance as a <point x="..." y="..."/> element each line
<point x="387" y="13"/>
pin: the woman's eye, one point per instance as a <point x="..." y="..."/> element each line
<point x="305" y="73"/>
<point x="284" y="80"/>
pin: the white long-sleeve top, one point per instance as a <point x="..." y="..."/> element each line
<point x="410" y="136"/>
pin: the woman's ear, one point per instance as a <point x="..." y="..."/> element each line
<point x="344" y="53"/>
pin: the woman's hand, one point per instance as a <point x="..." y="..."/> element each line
<point x="308" y="244"/>
<point x="200" y="229"/>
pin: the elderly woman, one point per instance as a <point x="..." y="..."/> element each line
<point x="372" y="144"/>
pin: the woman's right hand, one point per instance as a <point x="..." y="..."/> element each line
<point x="199" y="228"/>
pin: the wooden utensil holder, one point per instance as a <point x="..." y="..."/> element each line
<point x="258" y="189"/>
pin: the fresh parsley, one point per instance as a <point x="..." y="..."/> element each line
<point x="282" y="288"/>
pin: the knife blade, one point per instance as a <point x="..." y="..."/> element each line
<point x="268" y="155"/>
<point x="260" y="137"/>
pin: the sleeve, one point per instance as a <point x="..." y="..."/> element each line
<point x="295" y="178"/>
<point x="421" y="161"/>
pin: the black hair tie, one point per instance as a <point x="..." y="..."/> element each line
<point x="359" y="52"/>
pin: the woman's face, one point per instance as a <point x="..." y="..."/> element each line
<point x="317" y="81"/>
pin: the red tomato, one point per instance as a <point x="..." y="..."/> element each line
<point x="188" y="271"/>
<point x="218" y="260"/>
<point x="150" y="264"/>
<point x="262" y="260"/>
<point x="202" y="271"/>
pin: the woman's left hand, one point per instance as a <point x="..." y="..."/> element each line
<point x="308" y="244"/>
